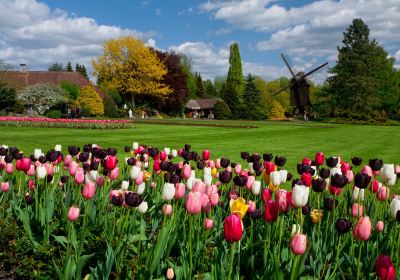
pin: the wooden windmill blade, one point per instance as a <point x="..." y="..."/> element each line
<point x="287" y="65"/>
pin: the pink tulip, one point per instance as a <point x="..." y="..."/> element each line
<point x="113" y="193"/>
<point x="367" y="170"/>
<point x="250" y="181"/>
<point x="298" y="244"/>
<point x="199" y="186"/>
<point x="31" y="171"/>
<point x="362" y="229"/>
<point x="252" y="206"/>
<point x="89" y="190"/>
<point x="282" y="200"/>
<point x="138" y="164"/>
<point x="186" y="171"/>
<point x="100" y="181"/>
<point x="67" y="160"/>
<point x="238" y="168"/>
<point x="208" y="223"/>
<point x="153" y="185"/>
<point x="205" y="203"/>
<point x="180" y="165"/>
<point x="357" y="210"/>
<point x="167" y="209"/>
<point x="397" y="169"/>
<point x="379" y="226"/>
<point x="218" y="163"/>
<point x="50" y="169"/>
<point x="180" y="190"/>
<point x="206" y="155"/>
<point x="4" y="186"/>
<point x="344" y="167"/>
<point x="214" y="199"/>
<point x="211" y="164"/>
<point x="9" y="168"/>
<point x="233" y="194"/>
<point x="25" y="164"/>
<point x="72" y="168"/>
<point x="349" y="176"/>
<point x="114" y="173"/>
<point x="383" y="193"/>
<point x="139" y="179"/>
<point x="79" y="176"/>
<point x="193" y="202"/>
<point x="73" y="213"/>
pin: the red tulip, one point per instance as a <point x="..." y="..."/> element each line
<point x="206" y="155"/>
<point x="193" y="202"/>
<point x="271" y="211"/>
<point x="319" y="158"/>
<point x="298" y="244"/>
<point x="180" y="152"/>
<point x="89" y="190"/>
<point x="384" y="268"/>
<point x="156" y="165"/>
<point x="233" y="228"/>
<point x="306" y="161"/>
<point x="306" y="179"/>
<point x="376" y="186"/>
<point x="111" y="162"/>
<point x="73" y="213"/>
<point x="269" y="167"/>
<point x="334" y="190"/>
<point x="345" y="167"/>
<point x="362" y="229"/>
<point x="163" y="156"/>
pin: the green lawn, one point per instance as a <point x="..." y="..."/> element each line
<point x="291" y="139"/>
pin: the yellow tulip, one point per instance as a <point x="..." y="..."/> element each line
<point x="272" y="187"/>
<point x="147" y="175"/>
<point x="213" y="171"/>
<point x="316" y="215"/>
<point x="239" y="207"/>
<point x="266" y="177"/>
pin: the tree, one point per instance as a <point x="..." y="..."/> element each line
<point x="277" y="111"/>
<point x="4" y="66"/>
<point x="362" y="81"/>
<point x="132" y="68"/>
<point x="200" y="92"/>
<point x="81" y="69"/>
<point x="190" y="78"/>
<point x="234" y="82"/>
<point x="251" y="100"/>
<point x="209" y="88"/>
<point x="90" y="101"/>
<point x="69" y="67"/>
<point x="57" y="67"/>
<point x="110" y="108"/>
<point x="71" y="89"/>
<point x="42" y="97"/>
<point x="7" y="97"/>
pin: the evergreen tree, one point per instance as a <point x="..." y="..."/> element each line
<point x="209" y="89"/>
<point x="234" y="82"/>
<point x="57" y="67"/>
<point x="251" y="100"/>
<point x="81" y="69"/>
<point x="200" y="92"/>
<point x="69" y="67"/>
<point x="363" y="79"/>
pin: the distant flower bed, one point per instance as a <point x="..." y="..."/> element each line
<point x="64" y="123"/>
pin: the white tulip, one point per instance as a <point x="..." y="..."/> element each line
<point x="296" y="228"/>
<point x="300" y="195"/>
<point x="167" y="151"/>
<point x="37" y="153"/>
<point x="283" y="176"/>
<point x="140" y="189"/>
<point x="174" y="153"/>
<point x="135" y="145"/>
<point x="134" y="173"/>
<point x="338" y="162"/>
<point x="335" y="170"/>
<point x="208" y="180"/>
<point x="395" y="206"/>
<point x="275" y="177"/>
<point x="4" y="146"/>
<point x="251" y="169"/>
<point x="41" y="172"/>
<point x="125" y="185"/>
<point x="392" y="180"/>
<point x="192" y="174"/>
<point x="387" y="171"/>
<point x="207" y="171"/>
<point x="142" y="208"/>
<point x="168" y="191"/>
<point x="56" y="169"/>
<point x="57" y="148"/>
<point x="357" y="192"/>
<point x="91" y="176"/>
<point x="146" y="164"/>
<point x="94" y="145"/>
<point x="190" y="183"/>
<point x="256" y="187"/>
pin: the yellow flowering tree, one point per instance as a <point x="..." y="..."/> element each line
<point x="130" y="67"/>
<point x="90" y="100"/>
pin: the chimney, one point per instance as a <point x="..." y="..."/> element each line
<point x="22" y="68"/>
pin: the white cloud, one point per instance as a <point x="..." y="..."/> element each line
<point x="32" y="33"/>
<point x="313" y="29"/>
<point x="158" y="12"/>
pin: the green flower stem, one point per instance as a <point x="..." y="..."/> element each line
<point x="359" y="260"/>
<point x="231" y="260"/>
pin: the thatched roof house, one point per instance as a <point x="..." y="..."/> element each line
<point x="201" y="104"/>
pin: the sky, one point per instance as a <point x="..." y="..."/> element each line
<point x="42" y="32"/>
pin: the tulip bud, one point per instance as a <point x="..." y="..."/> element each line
<point x="4" y="186"/>
<point x="298" y="244"/>
<point x="142" y="208"/>
<point x="208" y="223"/>
<point x="89" y="190"/>
<point x="379" y="226"/>
<point x="256" y="187"/>
<point x="167" y="209"/>
<point x="170" y="273"/>
<point x="362" y="229"/>
<point x="73" y="213"/>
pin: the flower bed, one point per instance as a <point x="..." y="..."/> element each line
<point x="178" y="213"/>
<point x="64" y="123"/>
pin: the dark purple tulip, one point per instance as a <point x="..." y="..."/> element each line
<point x="225" y="162"/>
<point x="87" y="148"/>
<point x="356" y="161"/>
<point x="200" y="165"/>
<point x="256" y="214"/>
<point x="8" y="158"/>
<point x="324" y="173"/>
<point x="83" y="157"/>
<point x="302" y="168"/>
<point x="32" y="158"/>
<point x="280" y="161"/>
<point x="257" y="166"/>
<point x="328" y="203"/>
<point x="133" y="199"/>
<point x="49" y="178"/>
<point x="18" y="155"/>
<point x="338" y="180"/>
<point x="343" y="225"/>
<point x="362" y="180"/>
<point x="289" y="176"/>
<point x="127" y="149"/>
<point x="297" y="182"/>
<point x="398" y="216"/>
<point x="117" y="200"/>
<point x="64" y="179"/>
<point x="244" y="155"/>
<point x="73" y="150"/>
<point x="13" y="150"/>
<point x="94" y="165"/>
<point x="164" y="165"/>
<point x="3" y="151"/>
<point x="187" y="147"/>
<point x="42" y="159"/>
<point x="267" y="157"/>
<point x="255" y="157"/>
<point x="225" y="177"/>
<point x="240" y="181"/>
<point x="306" y="210"/>
<point x="331" y="161"/>
<point x="111" y="151"/>
<point x="29" y="199"/>
<point x="375" y="164"/>
<point x="318" y="185"/>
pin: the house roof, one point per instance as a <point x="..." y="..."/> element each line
<point x="19" y="80"/>
<point x="198" y="104"/>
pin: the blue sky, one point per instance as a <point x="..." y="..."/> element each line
<point x="39" y="33"/>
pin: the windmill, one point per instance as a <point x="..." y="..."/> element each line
<point x="299" y="88"/>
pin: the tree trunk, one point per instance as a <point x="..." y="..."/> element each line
<point x="133" y="103"/>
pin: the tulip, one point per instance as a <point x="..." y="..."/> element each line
<point x="316" y="215"/>
<point x="384" y="268"/>
<point x="284" y="176"/>
<point x="199" y="186"/>
<point x="167" y="209"/>
<point x="57" y="148"/>
<point x="282" y="200"/>
<point x="168" y="191"/>
<point x="256" y="187"/>
<point x="379" y="226"/>
<point x="170" y="273"/>
<point x="366" y="170"/>
<point x="186" y="171"/>
<point x="250" y="182"/>
<point x="271" y="211"/>
<point x="298" y="244"/>
<point x="306" y="161"/>
<point x="358" y="194"/>
<point x="375" y="164"/>
<point x="233" y="228"/>
<point x="208" y="223"/>
<point x="140" y="188"/>
<point x="135" y="145"/>
<point x="383" y="193"/>
<point x="9" y="168"/>
<point x="275" y="178"/>
<point x="89" y="190"/>
<point x="125" y="185"/>
<point x="208" y="180"/>
<point x="206" y="155"/>
<point x="133" y="199"/>
<point x="319" y="158"/>
<point x="180" y="190"/>
<point x="37" y="153"/>
<point x="252" y="206"/>
<point x="31" y="171"/>
<point x="214" y="199"/>
<point x="143" y="207"/>
<point x="114" y="173"/>
<point x="395" y="206"/>
<point x="345" y="167"/>
<point x="387" y="172"/>
<point x="41" y="172"/>
<point x="205" y="203"/>
<point x="4" y="186"/>
<point x="306" y="179"/>
<point x="100" y="181"/>
<point x="362" y="229"/>
<point x="238" y="206"/>
<point x="269" y="167"/>
<point x="300" y="195"/>
<point x="357" y="210"/>
<point x="174" y="153"/>
<point x="163" y="156"/>
<point x="73" y="213"/>
<point x="79" y="176"/>
<point x="343" y="225"/>
<point x="193" y="202"/>
<point x="139" y="179"/>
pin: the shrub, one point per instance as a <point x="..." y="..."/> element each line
<point x="222" y="111"/>
<point x="54" y="114"/>
<point x="7" y="97"/>
<point x="42" y="97"/>
<point x="110" y="108"/>
<point x="90" y="99"/>
<point x="277" y="111"/>
<point x="71" y="89"/>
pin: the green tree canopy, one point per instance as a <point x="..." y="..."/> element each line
<point x="251" y="100"/>
<point x="7" y="97"/>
